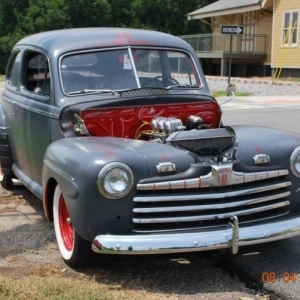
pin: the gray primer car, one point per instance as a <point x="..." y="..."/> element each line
<point x="116" y="131"/>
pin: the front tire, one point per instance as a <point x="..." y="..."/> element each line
<point x="75" y="251"/>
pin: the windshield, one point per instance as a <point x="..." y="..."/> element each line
<point x="124" y="69"/>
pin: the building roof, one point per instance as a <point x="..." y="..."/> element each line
<point x="225" y="7"/>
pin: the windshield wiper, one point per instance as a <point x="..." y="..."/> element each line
<point x="90" y="91"/>
<point x="182" y="86"/>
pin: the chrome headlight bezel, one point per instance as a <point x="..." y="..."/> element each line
<point x="295" y="162"/>
<point x="106" y="185"/>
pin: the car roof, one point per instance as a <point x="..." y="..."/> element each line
<point x="65" y="40"/>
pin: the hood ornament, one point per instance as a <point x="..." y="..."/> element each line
<point x="222" y="173"/>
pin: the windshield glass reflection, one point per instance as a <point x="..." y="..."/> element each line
<point x="124" y="69"/>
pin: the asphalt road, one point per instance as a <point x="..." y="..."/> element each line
<point x="272" y="111"/>
<point x="282" y="258"/>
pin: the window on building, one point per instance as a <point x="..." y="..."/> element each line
<point x="290" y="28"/>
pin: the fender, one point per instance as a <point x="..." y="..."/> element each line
<point x="74" y="164"/>
<point x="253" y="140"/>
<point x="6" y="160"/>
<point x="80" y="155"/>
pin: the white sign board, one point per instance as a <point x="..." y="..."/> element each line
<point x="232" y="29"/>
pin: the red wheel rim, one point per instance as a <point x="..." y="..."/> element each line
<point x="66" y="228"/>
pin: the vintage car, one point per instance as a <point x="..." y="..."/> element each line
<point x="116" y="131"/>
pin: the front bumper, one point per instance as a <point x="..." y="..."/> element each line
<point x="232" y="237"/>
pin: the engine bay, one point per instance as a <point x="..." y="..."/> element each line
<point x="193" y="135"/>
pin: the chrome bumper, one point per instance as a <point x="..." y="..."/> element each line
<point x="232" y="237"/>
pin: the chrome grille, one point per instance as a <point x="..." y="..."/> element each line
<point x="173" y="206"/>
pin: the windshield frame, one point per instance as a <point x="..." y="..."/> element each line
<point x="193" y="66"/>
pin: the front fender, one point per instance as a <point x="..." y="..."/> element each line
<point x="74" y="163"/>
<point x="278" y="145"/>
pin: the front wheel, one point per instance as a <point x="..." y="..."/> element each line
<point x="75" y="251"/>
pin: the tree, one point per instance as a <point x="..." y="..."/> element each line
<point x="42" y="16"/>
<point x="19" y="18"/>
<point x="9" y="9"/>
<point x="90" y="13"/>
<point x="168" y="15"/>
<point x="121" y="13"/>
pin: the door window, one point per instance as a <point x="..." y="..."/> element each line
<point x="36" y="73"/>
<point x="13" y="69"/>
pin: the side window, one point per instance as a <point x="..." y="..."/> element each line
<point x="36" y="73"/>
<point x="13" y="69"/>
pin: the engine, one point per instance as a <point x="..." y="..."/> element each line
<point x="194" y="135"/>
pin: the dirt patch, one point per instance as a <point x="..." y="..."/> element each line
<point x="28" y="249"/>
<point x="26" y="238"/>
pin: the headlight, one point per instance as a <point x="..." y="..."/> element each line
<point x="115" y="180"/>
<point x="295" y="162"/>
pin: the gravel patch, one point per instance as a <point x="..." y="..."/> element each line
<point x="255" y="86"/>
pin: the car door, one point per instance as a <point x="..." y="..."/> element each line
<point x="29" y="118"/>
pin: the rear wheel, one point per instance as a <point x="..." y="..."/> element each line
<point x="7" y="181"/>
<point x="75" y="251"/>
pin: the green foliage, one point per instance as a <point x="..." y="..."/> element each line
<point x="167" y="15"/>
<point x="42" y="16"/>
<point x="121" y="13"/>
<point x="8" y="14"/>
<point x="19" y="18"/>
<point x="92" y="13"/>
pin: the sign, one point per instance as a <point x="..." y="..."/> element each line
<point x="232" y="29"/>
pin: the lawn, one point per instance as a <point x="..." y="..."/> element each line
<point x="217" y="94"/>
<point x="56" y="287"/>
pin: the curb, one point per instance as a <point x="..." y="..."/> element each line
<point x="252" y="81"/>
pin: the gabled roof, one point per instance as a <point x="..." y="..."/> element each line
<point x="225" y="7"/>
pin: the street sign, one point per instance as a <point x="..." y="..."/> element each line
<point x="232" y="29"/>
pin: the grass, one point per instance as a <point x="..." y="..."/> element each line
<point x="295" y="79"/>
<point x="2" y="78"/>
<point x="56" y="288"/>
<point x="224" y="93"/>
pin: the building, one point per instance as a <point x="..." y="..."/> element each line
<point x="268" y="44"/>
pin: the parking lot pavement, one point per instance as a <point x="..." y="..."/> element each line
<point x="259" y="101"/>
